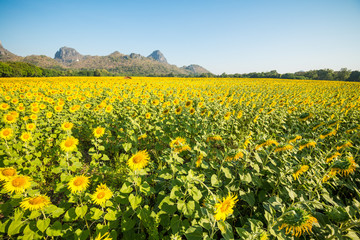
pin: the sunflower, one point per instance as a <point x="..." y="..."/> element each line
<point x="7" y="173"/>
<point x="99" y="132"/>
<point x="9" y="118"/>
<point x="143" y="136"/>
<point x="49" y="114"/>
<point x="35" y="203"/>
<point x="33" y="117"/>
<point x="26" y="136"/>
<point x="148" y="115"/>
<point x="139" y="160"/>
<point x="213" y="138"/>
<point x="335" y="155"/>
<point x="108" y="108"/>
<point x="17" y="184"/>
<point x="102" y="194"/>
<point x="188" y="104"/>
<point x="305" y="116"/>
<point x="344" y="145"/>
<point x="87" y="106"/>
<point x="69" y="144"/>
<point x="225" y="207"/>
<point x="295" y="138"/>
<point x="30" y="126"/>
<point x="105" y="236"/>
<point x="307" y="144"/>
<point x="192" y="111"/>
<point x="78" y="183"/>
<point x="199" y="160"/>
<point x="178" y="110"/>
<point x="344" y="166"/>
<point x="6" y="133"/>
<point x="179" y="145"/>
<point x="227" y="116"/>
<point x="300" y="171"/>
<point x="58" y="108"/>
<point x="67" y="126"/>
<point x="4" y="106"/>
<point x="267" y="143"/>
<point x="283" y="148"/>
<point x="233" y="156"/>
<point x="327" y="133"/>
<point x="297" y="221"/>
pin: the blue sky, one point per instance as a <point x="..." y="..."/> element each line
<point x="232" y="36"/>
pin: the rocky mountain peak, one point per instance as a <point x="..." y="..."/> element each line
<point x="66" y="54"/>
<point x="158" y="56"/>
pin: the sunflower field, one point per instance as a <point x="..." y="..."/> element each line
<point x="174" y="158"/>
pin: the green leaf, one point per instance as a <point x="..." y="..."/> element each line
<point x="14" y="227"/>
<point x="70" y="215"/>
<point x="127" y="224"/>
<point x="110" y="215"/>
<point x="82" y="234"/>
<point x="81" y="211"/>
<point x="57" y="212"/>
<point x="54" y="230"/>
<point x="186" y="208"/>
<point x="105" y="158"/>
<point x="126" y="188"/>
<point x="195" y="193"/>
<point x="96" y="213"/>
<point x="34" y="214"/>
<point x="249" y="197"/>
<point x="214" y="181"/>
<point x="194" y="233"/>
<point x="42" y="225"/>
<point x="227" y="172"/>
<point x="134" y="201"/>
<point x="167" y="206"/>
<point x="127" y="146"/>
<point x="226" y="230"/>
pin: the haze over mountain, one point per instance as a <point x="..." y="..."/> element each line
<point x="132" y="64"/>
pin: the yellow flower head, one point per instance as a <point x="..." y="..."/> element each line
<point x="30" y="126"/>
<point x="148" y="115"/>
<point x="192" y="111"/>
<point x="67" y="126"/>
<point x="35" y="203"/>
<point x="4" y="106"/>
<point x="297" y="221"/>
<point x="6" y="133"/>
<point x="344" y="166"/>
<point x="284" y="148"/>
<point x="78" y="183"/>
<point x="178" y="110"/>
<point x="17" y="184"/>
<point x="7" y="173"/>
<point x="99" y="132"/>
<point x="225" y="207"/>
<point x="69" y="144"/>
<point x="213" y="138"/>
<point x="300" y="171"/>
<point x="9" y="118"/>
<point x="143" y="136"/>
<point x="227" y="115"/>
<point x="199" y="160"/>
<point x="102" y="194"/>
<point x="26" y="136"/>
<point x="179" y="145"/>
<point x="139" y="160"/>
<point x="103" y="237"/>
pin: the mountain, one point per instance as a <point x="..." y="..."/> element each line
<point x="68" y="55"/>
<point x="67" y="58"/>
<point x="195" y="69"/>
<point x="158" y="56"/>
<point x="6" y="55"/>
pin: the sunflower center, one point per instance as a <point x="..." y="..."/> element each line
<point x="18" y="182"/>
<point x="98" y="131"/>
<point x="137" y="159"/>
<point x="225" y="206"/>
<point x="78" y="182"/>
<point x="8" y="172"/>
<point x="67" y="125"/>
<point x="69" y="143"/>
<point x="36" y="201"/>
<point x="9" y="117"/>
<point x="100" y="195"/>
<point x="6" y="132"/>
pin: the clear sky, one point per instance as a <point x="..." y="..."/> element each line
<point x="232" y="36"/>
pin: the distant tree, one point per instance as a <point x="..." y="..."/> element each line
<point x="354" y="76"/>
<point x="343" y="74"/>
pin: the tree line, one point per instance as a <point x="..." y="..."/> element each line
<point x="21" y="69"/>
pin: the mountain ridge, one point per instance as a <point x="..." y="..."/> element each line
<point x="68" y="58"/>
